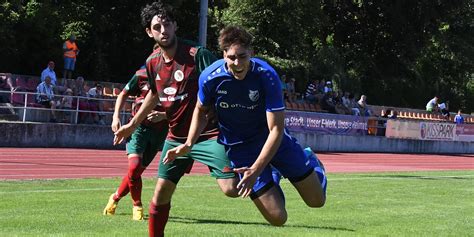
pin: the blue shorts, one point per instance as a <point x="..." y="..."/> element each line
<point x="69" y="63"/>
<point x="290" y="160"/>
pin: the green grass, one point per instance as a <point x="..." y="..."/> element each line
<point x="369" y="204"/>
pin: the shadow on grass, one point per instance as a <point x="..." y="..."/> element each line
<point x="208" y="221"/>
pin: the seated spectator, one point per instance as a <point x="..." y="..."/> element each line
<point x="311" y="91"/>
<point x="432" y="105"/>
<point x="363" y="107"/>
<point x="444" y="110"/>
<point x="340" y="107"/>
<point x="5" y="85"/>
<point x="290" y="89"/>
<point x="328" y="87"/>
<point x="321" y="86"/>
<point x="79" y="90"/>
<point x="96" y="105"/>
<point x="386" y="113"/>
<point x="392" y="114"/>
<point x="328" y="103"/>
<point x="49" y="71"/>
<point x="459" y="119"/>
<point x="353" y="105"/>
<point x="66" y="103"/>
<point x="45" y="96"/>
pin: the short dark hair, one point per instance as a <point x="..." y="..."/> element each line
<point x="234" y="35"/>
<point x="157" y="8"/>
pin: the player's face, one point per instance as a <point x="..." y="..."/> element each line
<point x="163" y="31"/>
<point x="237" y="59"/>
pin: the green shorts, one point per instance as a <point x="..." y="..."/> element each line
<point x="146" y="141"/>
<point x="208" y="152"/>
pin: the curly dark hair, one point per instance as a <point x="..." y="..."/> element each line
<point x="234" y="35"/>
<point x="157" y="8"/>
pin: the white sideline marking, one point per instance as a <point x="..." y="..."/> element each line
<point x="216" y="186"/>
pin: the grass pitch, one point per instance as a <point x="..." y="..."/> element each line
<point x="364" y="204"/>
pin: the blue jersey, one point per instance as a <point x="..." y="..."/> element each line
<point x="241" y="105"/>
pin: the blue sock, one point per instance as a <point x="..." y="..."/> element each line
<point x="318" y="168"/>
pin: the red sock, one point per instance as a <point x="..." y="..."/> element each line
<point x="135" y="171"/>
<point x="123" y="189"/>
<point x="158" y="219"/>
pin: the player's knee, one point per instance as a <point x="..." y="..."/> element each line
<point x="163" y="192"/>
<point x="230" y="191"/>
<point x="278" y="219"/>
<point x="316" y="202"/>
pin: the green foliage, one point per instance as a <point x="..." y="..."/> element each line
<point x="388" y="50"/>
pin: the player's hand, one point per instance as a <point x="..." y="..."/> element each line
<point x="156" y="116"/>
<point x="180" y="150"/>
<point x="247" y="182"/>
<point x="122" y="133"/>
<point x="115" y="124"/>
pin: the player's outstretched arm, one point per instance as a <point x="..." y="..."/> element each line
<point x="126" y="130"/>
<point x="119" y="103"/>
<point x="198" y="124"/>
<point x="276" y="125"/>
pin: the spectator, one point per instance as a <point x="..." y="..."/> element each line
<point x="363" y="107"/>
<point x="71" y="51"/>
<point x="327" y="103"/>
<point x="66" y="103"/>
<point x="328" y="87"/>
<point x="321" y="86"/>
<point x="290" y="89"/>
<point x="340" y="107"/>
<point x="444" y="110"/>
<point x="5" y="85"/>
<point x="96" y="104"/>
<point x="45" y="96"/>
<point x="353" y="105"/>
<point x="459" y="119"/>
<point x="79" y="90"/>
<point x="392" y="114"/>
<point x="49" y="71"/>
<point x="432" y="105"/>
<point x="311" y="91"/>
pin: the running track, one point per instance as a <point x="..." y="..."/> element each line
<point x="47" y="163"/>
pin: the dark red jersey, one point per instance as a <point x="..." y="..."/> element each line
<point x="176" y="83"/>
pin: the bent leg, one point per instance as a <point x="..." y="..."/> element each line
<point x="135" y="170"/>
<point x="272" y="205"/>
<point x="311" y="191"/>
<point x="229" y="186"/>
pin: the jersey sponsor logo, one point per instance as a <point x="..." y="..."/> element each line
<point x="253" y="95"/>
<point x="157" y="78"/>
<point x="178" y="75"/>
<point x="170" y="91"/>
<point x="224" y="105"/>
<point x="174" y="98"/>
<point x="222" y="92"/>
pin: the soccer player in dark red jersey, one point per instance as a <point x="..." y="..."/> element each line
<point x="142" y="146"/>
<point x="173" y="71"/>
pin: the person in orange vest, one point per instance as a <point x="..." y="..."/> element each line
<point x="71" y="51"/>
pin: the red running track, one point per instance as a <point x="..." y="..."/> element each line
<point x="46" y="163"/>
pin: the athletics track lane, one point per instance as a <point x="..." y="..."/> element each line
<point x="62" y="163"/>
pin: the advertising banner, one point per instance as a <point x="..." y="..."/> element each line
<point x="437" y="131"/>
<point x="465" y="132"/>
<point x="323" y="123"/>
<point x="402" y="129"/>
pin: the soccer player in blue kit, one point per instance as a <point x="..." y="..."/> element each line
<point x="247" y="97"/>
